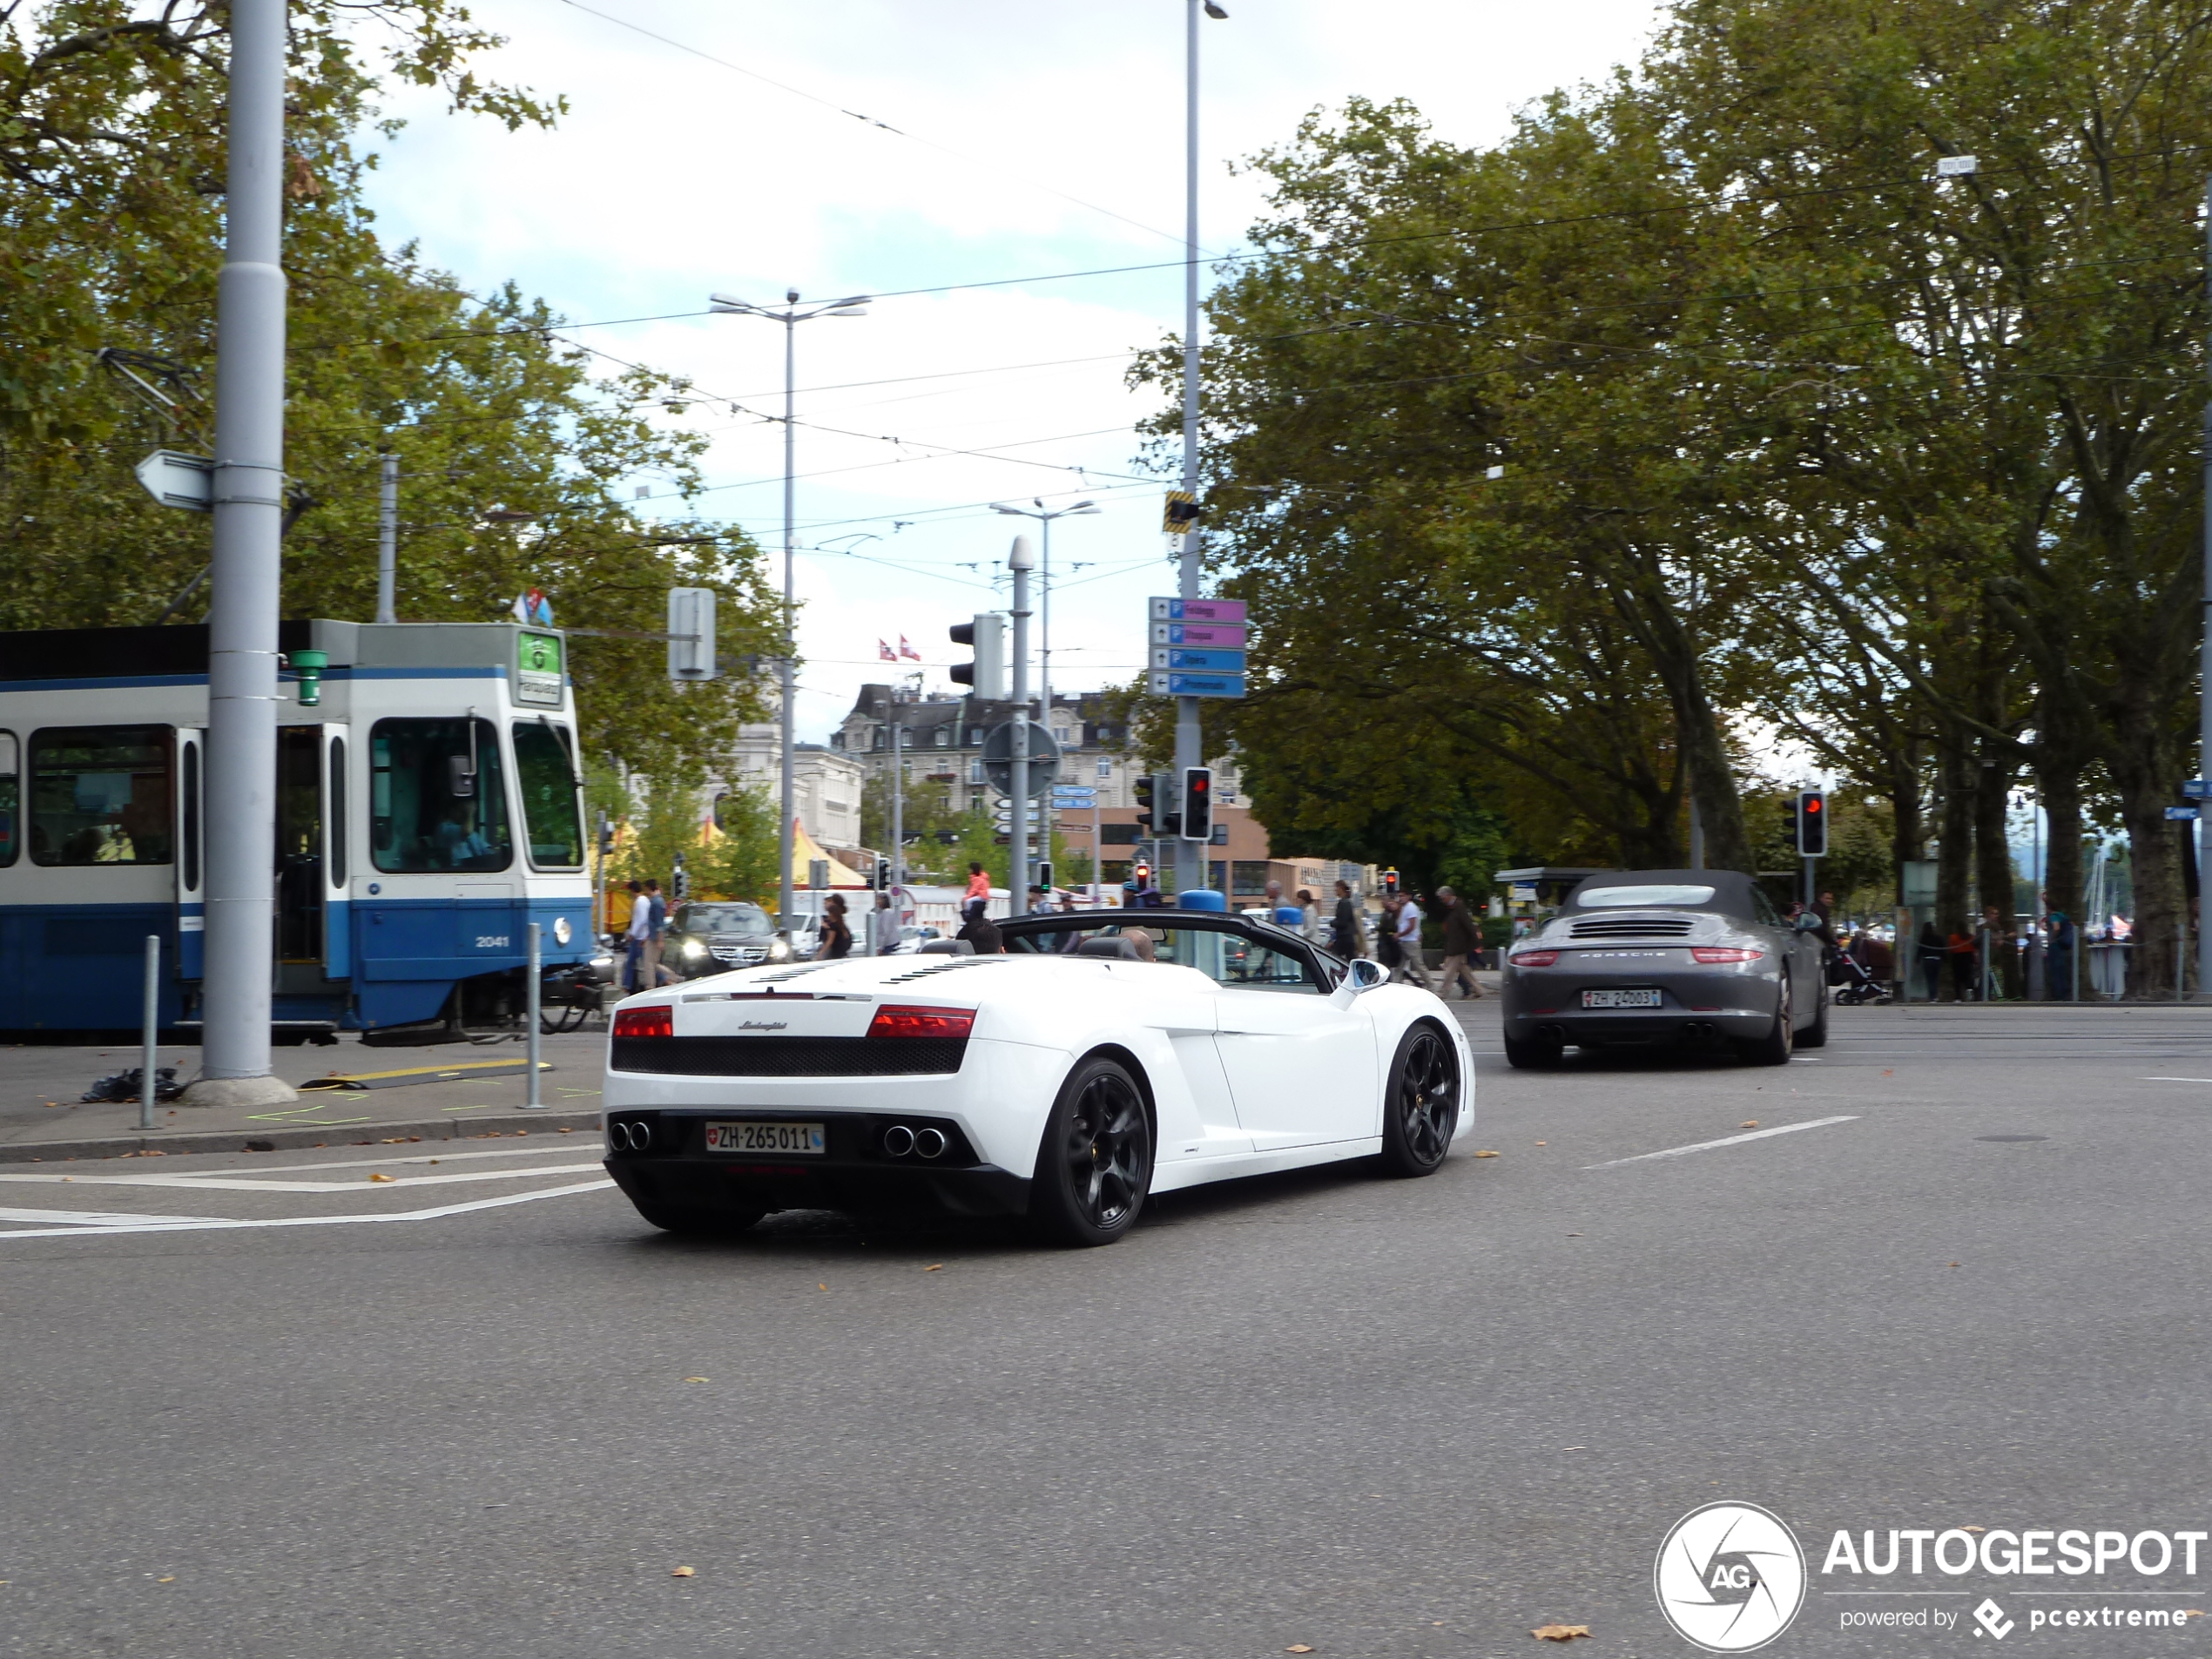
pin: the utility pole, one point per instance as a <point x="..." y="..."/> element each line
<point x="898" y="806"/>
<point x="248" y="501"/>
<point x="2204" y="670"/>
<point x="387" y="539"/>
<point x="1020" y="561"/>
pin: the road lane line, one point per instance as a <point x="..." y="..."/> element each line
<point x="95" y="1218"/>
<point x="2177" y="1080"/>
<point x="248" y="1183"/>
<point x="1707" y="1146"/>
<point x="440" y="1212"/>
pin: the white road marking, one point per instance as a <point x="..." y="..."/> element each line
<point x="2178" y="1079"/>
<point x="95" y="1218"/>
<point x="250" y="1184"/>
<point x="154" y="1225"/>
<point x="1707" y="1146"/>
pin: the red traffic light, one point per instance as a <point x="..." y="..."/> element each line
<point x="1812" y="803"/>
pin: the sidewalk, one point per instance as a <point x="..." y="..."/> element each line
<point x="42" y="1118"/>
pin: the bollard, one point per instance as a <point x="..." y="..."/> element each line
<point x="2180" y="955"/>
<point x="149" y="1050"/>
<point x="533" y="993"/>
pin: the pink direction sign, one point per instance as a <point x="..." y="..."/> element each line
<point x="1229" y="610"/>
<point x="1214" y="635"/>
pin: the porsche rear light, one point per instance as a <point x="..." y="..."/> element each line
<point x="1723" y="953"/>
<point x="1533" y="958"/>
<point x="646" y="1022"/>
<point x="894" y="1019"/>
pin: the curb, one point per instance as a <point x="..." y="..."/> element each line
<point x="285" y="1140"/>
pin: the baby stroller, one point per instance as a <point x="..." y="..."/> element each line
<point x="1853" y="985"/>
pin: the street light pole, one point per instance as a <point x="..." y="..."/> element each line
<point x="2204" y="673"/>
<point x="1044" y="517"/>
<point x="1019" y="561"/>
<point x="242" y="687"/>
<point x="1189" y="742"/>
<point x="791" y="317"/>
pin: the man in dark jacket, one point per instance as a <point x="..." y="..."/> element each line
<point x="1462" y="944"/>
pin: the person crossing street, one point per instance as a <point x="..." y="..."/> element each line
<point x="1408" y="924"/>
<point x="1462" y="945"/>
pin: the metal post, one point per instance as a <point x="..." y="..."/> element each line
<point x="242" y="616"/>
<point x="2204" y="657"/>
<point x="150" y="1037"/>
<point x="898" y="818"/>
<point x="1189" y="742"/>
<point x="1019" y="561"/>
<point x="533" y="991"/>
<point x="2181" y="956"/>
<point x="1696" y="837"/>
<point x="791" y="636"/>
<point x="387" y="539"/>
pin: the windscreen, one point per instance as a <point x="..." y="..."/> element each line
<point x="722" y="918"/>
<point x="544" y="768"/>
<point x="1660" y="898"/>
<point x="1229" y="959"/>
<point x="437" y="801"/>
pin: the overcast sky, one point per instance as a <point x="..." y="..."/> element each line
<point x="1031" y="141"/>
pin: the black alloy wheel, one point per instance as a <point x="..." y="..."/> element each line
<point x="1533" y="1053"/>
<point x="1094" y="1166"/>
<point x="1816" y="1034"/>
<point x="1424" y="1104"/>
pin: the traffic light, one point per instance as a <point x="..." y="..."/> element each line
<point x="1041" y="874"/>
<point x="883" y="875"/>
<point x="986" y="676"/>
<point x="1146" y="807"/>
<point x="1813" y="823"/>
<point x="1197" y="804"/>
<point x="1140" y="875"/>
<point x="1390" y="881"/>
<point x="606" y="837"/>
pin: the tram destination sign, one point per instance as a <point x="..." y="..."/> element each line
<point x="539" y="668"/>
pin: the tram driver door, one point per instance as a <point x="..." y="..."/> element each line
<point x="301" y="885"/>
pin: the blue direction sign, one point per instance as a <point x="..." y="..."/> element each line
<point x="2180" y="814"/>
<point x="1165" y="682"/>
<point x="2196" y="789"/>
<point x="1217" y="662"/>
<point x="1074" y="797"/>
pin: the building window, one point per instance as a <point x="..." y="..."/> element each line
<point x="976" y="770"/>
<point x="944" y="737"/>
<point x="1118" y="835"/>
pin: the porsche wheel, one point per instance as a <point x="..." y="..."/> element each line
<point x="1423" y="1107"/>
<point x="1816" y="1034"/>
<point x="1775" y="1048"/>
<point x="1532" y="1054"/>
<point x="1095" y="1165"/>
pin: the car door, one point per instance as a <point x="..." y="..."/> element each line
<point x="1301" y="1070"/>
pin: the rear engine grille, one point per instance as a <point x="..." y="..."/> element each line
<point x="1632" y="927"/>
<point x="789" y="1057"/>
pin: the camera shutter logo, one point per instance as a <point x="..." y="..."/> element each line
<point x="1729" y="1577"/>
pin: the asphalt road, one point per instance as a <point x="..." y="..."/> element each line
<point x="478" y="1408"/>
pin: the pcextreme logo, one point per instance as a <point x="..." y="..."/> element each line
<point x="1729" y="1577"/>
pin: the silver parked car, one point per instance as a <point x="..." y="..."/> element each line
<point x="1645" y="957"/>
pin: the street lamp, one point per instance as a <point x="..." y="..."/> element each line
<point x="791" y="317"/>
<point x="1190" y="743"/>
<point x="1036" y="510"/>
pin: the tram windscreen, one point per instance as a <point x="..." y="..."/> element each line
<point x="437" y="800"/>
<point x="548" y="778"/>
<point x="100" y="794"/>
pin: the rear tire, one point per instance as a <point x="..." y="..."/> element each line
<point x="1532" y="1054"/>
<point x="1422" y="1109"/>
<point x="699" y="1221"/>
<point x="1816" y="1034"/>
<point x="1775" y="1048"/>
<point x="1094" y="1162"/>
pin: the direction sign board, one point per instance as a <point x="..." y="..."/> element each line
<point x="1214" y="636"/>
<point x="998" y="757"/>
<point x="177" y="480"/>
<point x="1068" y="795"/>
<point x="1171" y="682"/>
<point x="1196" y="609"/>
<point x="2180" y="814"/>
<point x="1217" y="662"/>
<point x="2195" y="788"/>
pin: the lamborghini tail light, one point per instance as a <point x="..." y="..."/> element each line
<point x="1723" y="953"/>
<point x="646" y="1022"/>
<point x="894" y="1019"/>
<point x="1533" y="958"/>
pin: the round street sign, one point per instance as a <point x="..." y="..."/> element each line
<point x="998" y="759"/>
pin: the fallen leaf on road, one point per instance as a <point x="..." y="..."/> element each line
<point x="375" y="1177"/>
<point x="1559" y="1632"/>
<point x="821" y="1287"/>
<point x="1543" y="1142"/>
<point x="1954" y="1264"/>
<point x="1890" y="1072"/>
<point x="172" y="1579"/>
<point x="934" y="1267"/>
<point x="1749" y="1123"/>
<point x="1974" y="1529"/>
<point x="1486" y="1155"/>
<point x="1297" y="1647"/>
<point x="2192" y="1612"/>
<point x="68" y="1177"/>
<point x="694" y="1379"/>
<point x="681" y="1572"/>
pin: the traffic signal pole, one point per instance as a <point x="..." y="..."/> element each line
<point x="1190" y="743"/>
<point x="242" y="686"/>
<point x="1020" y="561"/>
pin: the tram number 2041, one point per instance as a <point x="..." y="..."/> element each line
<point x="491" y="941"/>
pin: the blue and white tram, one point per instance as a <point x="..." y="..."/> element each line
<point x="428" y="805"/>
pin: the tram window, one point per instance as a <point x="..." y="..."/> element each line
<point x="192" y="817"/>
<point x="419" y="821"/>
<point x="546" y="775"/>
<point x="10" y="800"/>
<point x="100" y="794"/>
<point x="338" y="825"/>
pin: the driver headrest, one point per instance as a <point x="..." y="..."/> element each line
<point x="1110" y="945"/>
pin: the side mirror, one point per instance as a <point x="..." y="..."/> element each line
<point x="1360" y="974"/>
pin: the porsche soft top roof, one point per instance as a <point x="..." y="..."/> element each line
<point x="1732" y="889"/>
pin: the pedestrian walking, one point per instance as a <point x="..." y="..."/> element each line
<point x="2057" y="960"/>
<point x="655" y="931"/>
<point x="1409" y="965"/>
<point x="1930" y="948"/>
<point x="883" y="924"/>
<point x="1309" y="916"/>
<point x="634" y="938"/>
<point x="1462" y="944"/>
<point x="1962" y="951"/>
<point x="1344" y="927"/>
<point x="837" y="932"/>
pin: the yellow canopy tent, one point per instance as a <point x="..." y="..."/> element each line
<point x="805" y="849"/>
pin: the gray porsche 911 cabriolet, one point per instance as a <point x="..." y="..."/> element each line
<point x="1645" y="957"/>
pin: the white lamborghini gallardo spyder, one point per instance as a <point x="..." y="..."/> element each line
<point x="1104" y="1057"/>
